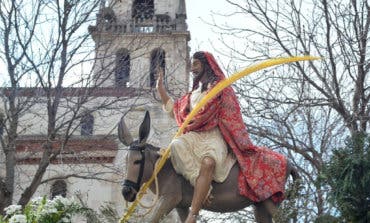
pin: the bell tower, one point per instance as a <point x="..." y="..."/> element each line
<point x="134" y="37"/>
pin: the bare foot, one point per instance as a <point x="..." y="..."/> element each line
<point x="208" y="201"/>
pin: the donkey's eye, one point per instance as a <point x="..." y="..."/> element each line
<point x="137" y="162"/>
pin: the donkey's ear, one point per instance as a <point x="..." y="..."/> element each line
<point x="124" y="134"/>
<point x="144" y="128"/>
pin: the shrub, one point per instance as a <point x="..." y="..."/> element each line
<point x="57" y="210"/>
<point x="348" y="174"/>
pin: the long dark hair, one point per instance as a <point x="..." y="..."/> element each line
<point x="207" y="70"/>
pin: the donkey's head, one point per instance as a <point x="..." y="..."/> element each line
<point x="139" y="160"/>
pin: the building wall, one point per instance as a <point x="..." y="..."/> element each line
<point x="93" y="192"/>
<point x="122" y="9"/>
<point x="34" y="122"/>
<point x="140" y="48"/>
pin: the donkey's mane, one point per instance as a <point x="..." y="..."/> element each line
<point x="151" y="147"/>
<point x="153" y="151"/>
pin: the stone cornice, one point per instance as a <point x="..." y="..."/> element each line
<point x="78" y="149"/>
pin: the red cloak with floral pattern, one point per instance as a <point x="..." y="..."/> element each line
<point x="262" y="171"/>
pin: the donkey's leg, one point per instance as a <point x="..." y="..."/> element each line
<point x="270" y="206"/>
<point x="265" y="210"/>
<point x="164" y="205"/>
<point x="261" y="214"/>
<point x="183" y="213"/>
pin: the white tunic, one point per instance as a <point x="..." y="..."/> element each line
<point x="188" y="150"/>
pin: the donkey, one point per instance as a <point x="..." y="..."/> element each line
<point x="174" y="190"/>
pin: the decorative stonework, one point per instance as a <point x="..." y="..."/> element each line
<point x="78" y="150"/>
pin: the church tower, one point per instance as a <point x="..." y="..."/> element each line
<point x="132" y="39"/>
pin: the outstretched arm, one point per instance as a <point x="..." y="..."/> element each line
<point x="160" y="87"/>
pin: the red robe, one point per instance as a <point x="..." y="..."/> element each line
<point x="262" y="171"/>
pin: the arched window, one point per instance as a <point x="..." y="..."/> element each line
<point x="2" y="123"/>
<point x="143" y="9"/>
<point x="108" y="15"/>
<point x="59" y="187"/>
<point x="122" y="72"/>
<point x="87" y="125"/>
<point x="157" y="59"/>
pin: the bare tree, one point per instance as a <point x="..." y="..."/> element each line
<point x="309" y="108"/>
<point x="50" y="57"/>
<point x="61" y="71"/>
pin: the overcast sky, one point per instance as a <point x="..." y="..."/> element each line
<point x="205" y="36"/>
<point x="199" y="12"/>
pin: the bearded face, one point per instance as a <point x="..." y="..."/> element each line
<point x="197" y="69"/>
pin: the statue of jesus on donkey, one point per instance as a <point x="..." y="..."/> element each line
<point x="214" y="165"/>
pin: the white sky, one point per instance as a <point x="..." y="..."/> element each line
<point x="206" y="37"/>
<point x="198" y="13"/>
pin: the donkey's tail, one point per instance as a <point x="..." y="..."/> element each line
<point x="294" y="173"/>
<point x="294" y="188"/>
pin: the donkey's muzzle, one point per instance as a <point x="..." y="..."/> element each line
<point x="129" y="190"/>
<point x="128" y="193"/>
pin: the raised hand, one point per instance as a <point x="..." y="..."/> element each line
<point x="160" y="87"/>
<point x="159" y="77"/>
